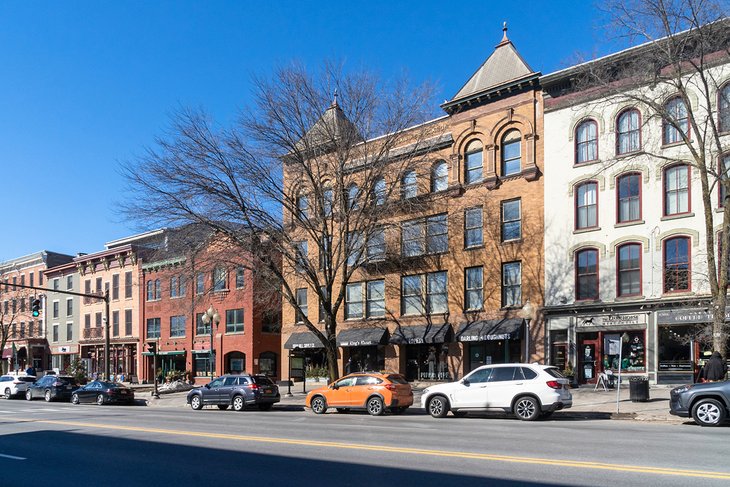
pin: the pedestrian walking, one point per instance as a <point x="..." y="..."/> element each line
<point x="714" y="369"/>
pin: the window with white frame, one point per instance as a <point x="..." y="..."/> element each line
<point x="409" y="185"/>
<point x="628" y="195"/>
<point x="586" y="142"/>
<point x="511" y="219"/>
<point x="354" y="301"/>
<point x="302" y="309"/>
<point x="177" y="326"/>
<point x="439" y="176"/>
<point x="676" y="121"/>
<point x="511" y="153"/>
<point x="220" y="279"/>
<point x="586" y="205"/>
<point x="376" y="245"/>
<point x="511" y="284"/>
<point x="424" y="293"/>
<point x="676" y="190"/>
<point x="153" y="328"/>
<point x="380" y="191"/>
<point x="628" y="258"/>
<point x="473" y="163"/>
<point x="240" y="277"/>
<point x="474" y="288"/>
<point x="628" y="132"/>
<point x="723" y="108"/>
<point x="473" y="236"/>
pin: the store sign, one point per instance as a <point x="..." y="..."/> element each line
<point x="481" y="338"/>
<point x="678" y="316"/>
<point x="305" y="345"/>
<point x="67" y="349"/>
<point x="358" y="343"/>
<point x="617" y="320"/>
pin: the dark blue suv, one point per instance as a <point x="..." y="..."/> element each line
<point x="238" y="391"/>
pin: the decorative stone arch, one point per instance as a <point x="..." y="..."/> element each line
<point x="691" y="97"/>
<point x="460" y="143"/>
<point x="632" y="167"/>
<point x="528" y="147"/>
<point x="590" y="244"/>
<point x="663" y="165"/>
<point x="592" y="115"/>
<point x="629" y="239"/>
<point x="694" y="235"/>
<point x="612" y="126"/>
<point x="599" y="178"/>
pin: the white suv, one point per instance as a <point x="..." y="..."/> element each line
<point x="529" y="391"/>
<point x="15" y="385"/>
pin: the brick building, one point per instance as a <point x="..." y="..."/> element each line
<point x="457" y="267"/>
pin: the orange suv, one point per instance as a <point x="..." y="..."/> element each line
<point x="364" y="390"/>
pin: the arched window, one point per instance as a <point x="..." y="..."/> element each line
<point x="586" y="142"/>
<point x="724" y="171"/>
<point x="409" y="185"/>
<point x="220" y="278"/>
<point x="150" y="290"/>
<point x="439" y="176"/>
<point x="353" y="193"/>
<point x="676" y="121"/>
<point x="302" y="205"/>
<point x="628" y="268"/>
<point x="628" y="132"/>
<point x="723" y="108"/>
<point x="267" y="364"/>
<point x="586" y="205"/>
<point x="676" y="264"/>
<point x="380" y="191"/>
<point x="328" y="200"/>
<point x="511" y="153"/>
<point x="586" y="274"/>
<point x="158" y="289"/>
<point x="628" y="198"/>
<point x="473" y="166"/>
<point x="676" y="190"/>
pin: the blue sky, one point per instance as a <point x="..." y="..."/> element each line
<point x="86" y="85"/>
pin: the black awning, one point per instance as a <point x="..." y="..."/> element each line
<point x="362" y="337"/>
<point x="305" y="339"/>
<point x="413" y="335"/>
<point x="490" y="330"/>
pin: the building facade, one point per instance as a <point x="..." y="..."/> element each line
<point x="465" y="259"/>
<point x="26" y="342"/>
<point x="63" y="314"/>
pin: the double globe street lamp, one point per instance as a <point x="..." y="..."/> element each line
<point x="212" y="318"/>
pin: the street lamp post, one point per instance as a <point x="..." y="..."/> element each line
<point x="527" y="311"/>
<point x="211" y="317"/>
<point x="624" y="339"/>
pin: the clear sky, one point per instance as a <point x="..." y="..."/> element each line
<point x="86" y="85"/>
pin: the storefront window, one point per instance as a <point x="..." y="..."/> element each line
<point x="427" y="362"/>
<point x="675" y="348"/>
<point x="631" y="352"/>
<point x="361" y="359"/>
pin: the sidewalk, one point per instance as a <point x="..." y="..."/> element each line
<point x="587" y="403"/>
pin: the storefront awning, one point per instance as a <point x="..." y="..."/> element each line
<point x="413" y="335"/>
<point x="362" y="337"/>
<point x="490" y="330"/>
<point x="7" y="353"/>
<point x="171" y="352"/>
<point x="304" y="339"/>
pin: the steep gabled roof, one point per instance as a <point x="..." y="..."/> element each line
<point x="503" y="69"/>
<point x="331" y="127"/>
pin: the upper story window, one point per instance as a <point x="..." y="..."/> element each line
<point x="353" y="193"/>
<point x="628" y="198"/>
<point x="586" y="274"/>
<point x="153" y="328"/>
<point x="380" y="191"/>
<point x="628" y="269"/>
<point x="355" y="248"/>
<point x="474" y="288"/>
<point x="365" y="299"/>
<point x="426" y="235"/>
<point x="676" y="190"/>
<point x="724" y="177"/>
<point x="409" y="185"/>
<point x="302" y="310"/>
<point x="511" y="220"/>
<point x="240" y="277"/>
<point x="473" y="166"/>
<point x="586" y="205"/>
<point x="301" y="249"/>
<point x="723" y="108"/>
<point x="302" y="206"/>
<point x="429" y="289"/>
<point x="676" y="264"/>
<point x="174" y="287"/>
<point x="511" y="284"/>
<point x="586" y="142"/>
<point x="439" y="176"/>
<point x="676" y="122"/>
<point x="628" y="132"/>
<point x="327" y="201"/>
<point x="199" y="283"/>
<point x="473" y="227"/>
<point x="376" y="245"/>
<point x="220" y="279"/>
<point x="511" y="153"/>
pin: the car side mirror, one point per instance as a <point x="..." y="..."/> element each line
<point x="334" y="386"/>
<point x="207" y="386"/>
<point x="465" y="382"/>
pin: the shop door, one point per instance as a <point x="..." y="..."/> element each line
<point x="477" y="355"/>
<point x="587" y="366"/>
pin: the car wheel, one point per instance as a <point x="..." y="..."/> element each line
<point x="708" y="412"/>
<point x="47" y="395"/>
<point x="318" y="405"/>
<point x="238" y="403"/>
<point x="74" y="398"/>
<point x="196" y="402"/>
<point x="223" y="407"/>
<point x="459" y="414"/>
<point x="526" y="408"/>
<point x="375" y="406"/>
<point x="265" y="406"/>
<point x="7" y="393"/>
<point x="100" y="399"/>
<point x="28" y="395"/>
<point x="438" y="406"/>
<point x="399" y="410"/>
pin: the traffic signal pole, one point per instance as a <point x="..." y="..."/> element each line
<point x="104" y="297"/>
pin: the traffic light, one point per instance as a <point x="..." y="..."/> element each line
<point x="152" y="347"/>
<point x="36" y="308"/>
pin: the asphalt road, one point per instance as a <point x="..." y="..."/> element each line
<point x="61" y="444"/>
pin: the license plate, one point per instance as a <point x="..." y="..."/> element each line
<point x="268" y="391"/>
<point x="69" y="387"/>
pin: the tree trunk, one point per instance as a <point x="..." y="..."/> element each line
<point x="719" y="337"/>
<point x="332" y="368"/>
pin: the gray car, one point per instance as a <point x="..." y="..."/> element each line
<point x="707" y="403"/>
<point x="238" y="391"/>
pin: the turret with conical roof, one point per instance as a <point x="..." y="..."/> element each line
<point x="332" y="128"/>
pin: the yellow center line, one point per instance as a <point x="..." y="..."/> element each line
<point x="412" y="451"/>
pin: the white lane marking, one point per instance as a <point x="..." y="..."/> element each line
<point x="11" y="457"/>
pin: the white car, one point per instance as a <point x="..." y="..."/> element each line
<point x="15" y="385"/>
<point x="529" y="391"/>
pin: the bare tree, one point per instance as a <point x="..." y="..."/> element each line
<point x="684" y="56"/>
<point x="300" y="183"/>
<point x="12" y="307"/>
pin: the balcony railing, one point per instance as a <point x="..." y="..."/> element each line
<point x="96" y="333"/>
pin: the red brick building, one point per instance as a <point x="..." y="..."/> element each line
<point x="182" y="280"/>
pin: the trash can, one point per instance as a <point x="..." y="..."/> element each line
<point x="639" y="389"/>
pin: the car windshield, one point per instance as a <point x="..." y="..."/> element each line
<point x="262" y="380"/>
<point x="555" y="372"/>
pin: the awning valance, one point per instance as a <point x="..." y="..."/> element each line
<point x="413" y="335"/>
<point x="304" y="339"/>
<point x="362" y="337"/>
<point x="490" y="330"/>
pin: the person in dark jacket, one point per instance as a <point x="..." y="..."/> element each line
<point x="714" y="368"/>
